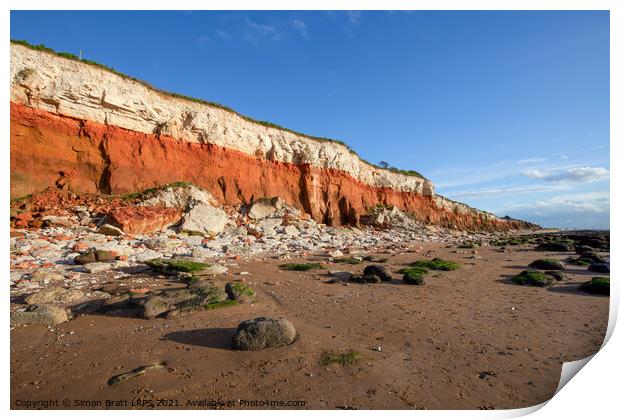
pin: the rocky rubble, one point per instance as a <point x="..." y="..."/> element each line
<point x="65" y="262"/>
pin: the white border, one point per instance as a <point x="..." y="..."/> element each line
<point x="593" y="394"/>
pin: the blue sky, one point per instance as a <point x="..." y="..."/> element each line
<point x="505" y="111"/>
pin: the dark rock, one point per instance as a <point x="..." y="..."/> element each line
<point x="86" y="258"/>
<point x="260" y="333"/>
<point x="593" y="256"/>
<point x="598" y="286"/>
<point x="371" y="278"/>
<point x="104" y="256"/>
<point x="379" y="271"/>
<point x="553" y="246"/>
<point x="153" y="307"/>
<point x="557" y="275"/>
<point x="548" y="264"/>
<point x="599" y="267"/>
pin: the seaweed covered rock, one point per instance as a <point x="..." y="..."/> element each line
<point x="557" y="275"/>
<point x="554" y="246"/>
<point x="414" y="276"/>
<point x="547" y="264"/>
<point x="366" y="278"/>
<point x="181" y="301"/>
<point x="379" y="271"/>
<point x="263" y="332"/>
<point x="598" y="286"/>
<point x="533" y="278"/>
<point x="239" y="291"/>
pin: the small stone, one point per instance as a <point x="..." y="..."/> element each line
<point x="96" y="267"/>
<point x="336" y="253"/>
<point x="110" y="230"/>
<point x="214" y="269"/>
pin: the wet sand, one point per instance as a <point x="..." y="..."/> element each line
<point x="467" y="339"/>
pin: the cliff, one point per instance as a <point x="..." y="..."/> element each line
<point x="80" y="126"/>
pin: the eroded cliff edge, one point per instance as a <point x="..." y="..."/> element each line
<point x="78" y="125"/>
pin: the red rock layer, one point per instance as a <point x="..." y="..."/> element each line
<point x="83" y="156"/>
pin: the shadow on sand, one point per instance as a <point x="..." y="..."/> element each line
<point x="216" y="338"/>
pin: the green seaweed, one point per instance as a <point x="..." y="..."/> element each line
<point x="171" y="265"/>
<point x="437" y="264"/>
<point x="343" y="359"/>
<point x="301" y="266"/>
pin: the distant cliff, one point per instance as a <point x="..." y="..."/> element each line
<point x="80" y="126"/>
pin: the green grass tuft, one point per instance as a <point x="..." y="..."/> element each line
<point x="343" y="359"/>
<point x="437" y="264"/>
<point x="301" y="266"/>
<point x="223" y="304"/>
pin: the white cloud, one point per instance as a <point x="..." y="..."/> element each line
<point x="581" y="210"/>
<point x="531" y="160"/>
<point x="223" y="34"/>
<point x="301" y="28"/>
<point x="503" y="190"/>
<point x="354" y="17"/>
<point x="578" y="175"/>
<point x="268" y="31"/>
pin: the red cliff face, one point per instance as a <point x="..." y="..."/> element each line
<point x="51" y="150"/>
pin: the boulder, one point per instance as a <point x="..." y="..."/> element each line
<point x="143" y="219"/>
<point x="263" y="332"/>
<point x="557" y="275"/>
<point x="179" y="195"/>
<point x="56" y="294"/>
<point x="153" y="307"/>
<point x="274" y="207"/>
<point x="548" y="264"/>
<point x="381" y="216"/>
<point x="205" y="219"/>
<point x="379" y="271"/>
<point x="239" y="291"/>
<point x="599" y="267"/>
<point x="39" y="315"/>
<point x="592" y="256"/>
<point x="45" y="277"/>
<point x="553" y="246"/>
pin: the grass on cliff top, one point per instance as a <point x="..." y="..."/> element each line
<point x="301" y="266"/>
<point x="42" y="47"/>
<point x="343" y="359"/>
